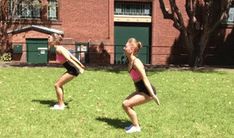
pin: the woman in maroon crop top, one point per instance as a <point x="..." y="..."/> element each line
<point x="73" y="66"/>
<point x="145" y="92"/>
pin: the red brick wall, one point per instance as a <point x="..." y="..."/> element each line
<point x="93" y="21"/>
<point x="89" y="20"/>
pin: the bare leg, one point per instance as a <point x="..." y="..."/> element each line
<point x="59" y="87"/>
<point x="132" y="100"/>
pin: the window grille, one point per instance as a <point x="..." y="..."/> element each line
<point x="138" y="9"/>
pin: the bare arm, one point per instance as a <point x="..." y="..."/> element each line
<point x="139" y="66"/>
<point x="76" y="60"/>
<point x="69" y="57"/>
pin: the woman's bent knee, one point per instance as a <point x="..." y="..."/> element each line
<point x="125" y="104"/>
<point x="57" y="85"/>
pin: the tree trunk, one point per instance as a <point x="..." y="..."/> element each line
<point x="202" y="46"/>
<point x="188" y="41"/>
<point x="4" y="38"/>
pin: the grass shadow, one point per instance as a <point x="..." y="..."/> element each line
<point x="115" y="122"/>
<point x="50" y="103"/>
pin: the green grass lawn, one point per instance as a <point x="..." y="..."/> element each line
<point x="193" y="104"/>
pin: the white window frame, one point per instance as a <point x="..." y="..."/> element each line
<point x="231" y="15"/>
<point x="53" y="9"/>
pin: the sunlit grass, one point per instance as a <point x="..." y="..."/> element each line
<point x="193" y="104"/>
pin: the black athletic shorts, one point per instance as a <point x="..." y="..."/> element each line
<point x="140" y="86"/>
<point x="71" y="68"/>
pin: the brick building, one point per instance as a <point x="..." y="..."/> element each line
<point x="96" y="31"/>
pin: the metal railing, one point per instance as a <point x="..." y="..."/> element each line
<point x="100" y="53"/>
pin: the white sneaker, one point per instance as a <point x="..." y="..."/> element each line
<point x="132" y="129"/>
<point x="58" y="107"/>
<point x="127" y="128"/>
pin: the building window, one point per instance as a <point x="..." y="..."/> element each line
<point x="25" y="9"/>
<point x="230" y="19"/>
<point x="231" y="15"/>
<point x="52" y="9"/>
<point x="130" y="8"/>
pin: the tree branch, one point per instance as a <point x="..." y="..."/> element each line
<point x="166" y="13"/>
<point x="189" y="9"/>
<point x="177" y="18"/>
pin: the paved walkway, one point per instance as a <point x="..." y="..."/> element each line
<point x="4" y="64"/>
